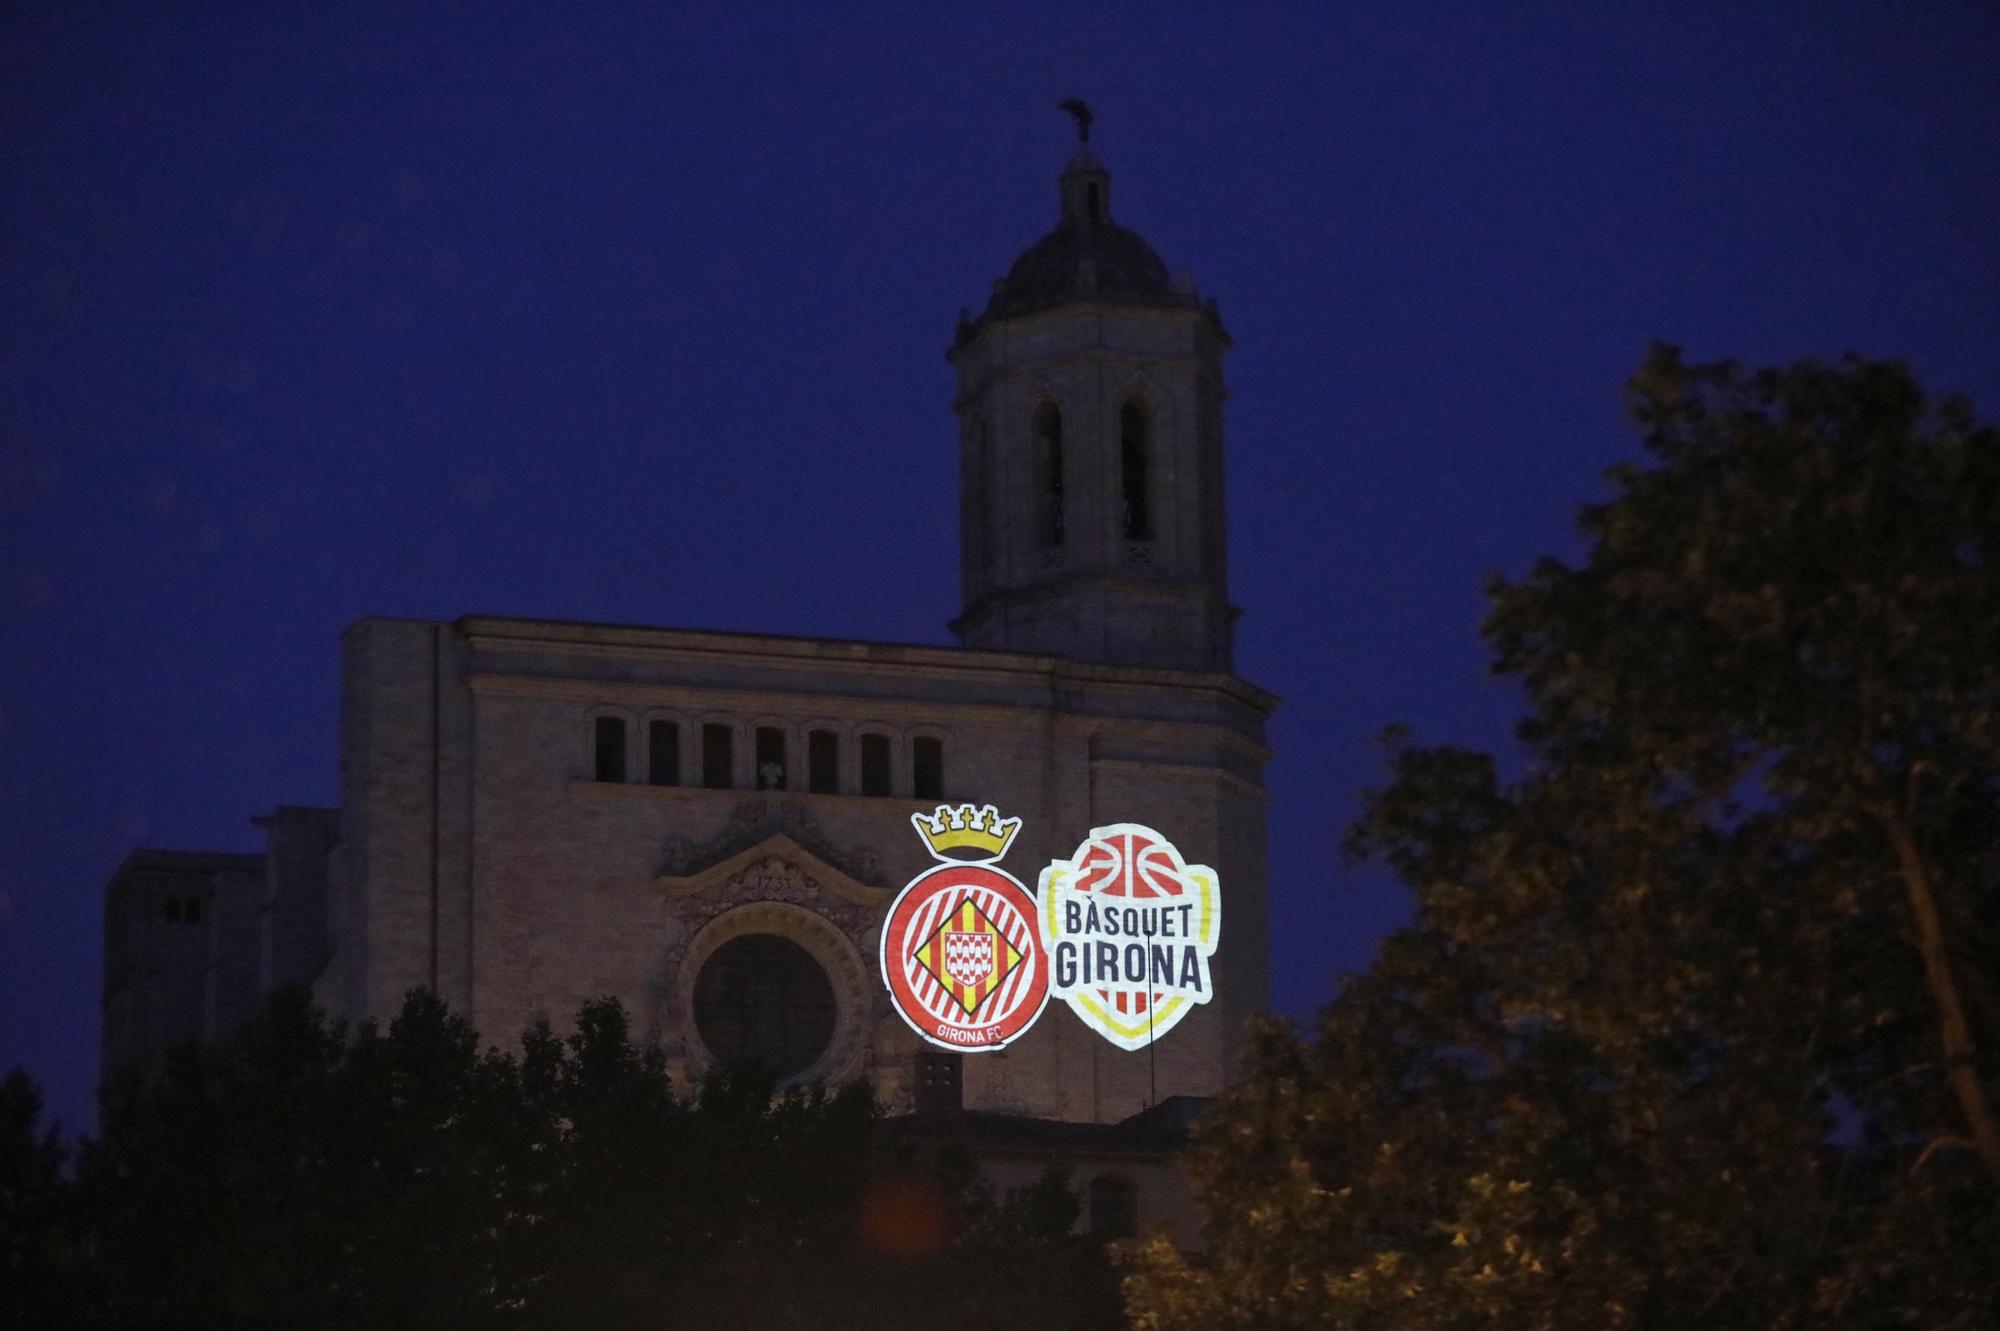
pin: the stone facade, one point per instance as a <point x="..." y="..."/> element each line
<point x="182" y="950"/>
<point x="487" y="859"/>
<point x="535" y="813"/>
<point x="193" y="940"/>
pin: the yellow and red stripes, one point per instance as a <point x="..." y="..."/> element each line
<point x="967" y="918"/>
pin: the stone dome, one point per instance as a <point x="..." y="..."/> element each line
<point x="1087" y="256"/>
<point x="1083" y="260"/>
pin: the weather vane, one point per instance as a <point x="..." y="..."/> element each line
<point x="1078" y="108"/>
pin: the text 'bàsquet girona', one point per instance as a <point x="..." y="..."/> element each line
<point x="1151" y="946"/>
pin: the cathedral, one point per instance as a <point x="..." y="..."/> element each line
<point x="711" y="826"/>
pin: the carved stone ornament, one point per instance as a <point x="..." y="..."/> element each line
<point x="758" y="822"/>
<point x="777" y="866"/>
<point x="772" y="878"/>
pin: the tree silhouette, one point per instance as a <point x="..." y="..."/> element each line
<point x="1697" y="1021"/>
<point x="308" y="1175"/>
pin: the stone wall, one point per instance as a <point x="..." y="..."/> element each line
<point x="180" y="951"/>
<point x="496" y="866"/>
<point x="296" y="940"/>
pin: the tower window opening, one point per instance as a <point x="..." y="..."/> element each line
<point x="718" y="756"/>
<point x="1096" y="204"/>
<point x="1135" y="502"/>
<point x="609" y="732"/>
<point x="1048" y="474"/>
<point x="663" y="753"/>
<point x="173" y="910"/>
<point x="927" y="768"/>
<point x="875" y="764"/>
<point x="770" y="758"/>
<point x="823" y="762"/>
<point x="191" y="910"/>
<point x="972" y="508"/>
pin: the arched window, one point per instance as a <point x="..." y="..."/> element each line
<point x="718" y="756"/>
<point x="927" y="768"/>
<point x="1048" y="474"/>
<point x="1137" y="506"/>
<point x="609" y="759"/>
<point x="763" y="1001"/>
<point x="663" y="753"/>
<point x="770" y="758"/>
<point x="972" y="506"/>
<point x="823" y="762"/>
<point x="1114" y="1207"/>
<point x="875" y="773"/>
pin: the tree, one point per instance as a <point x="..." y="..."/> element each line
<point x="306" y="1175"/>
<point x="1697" y="1021"/>
<point x="38" y="1248"/>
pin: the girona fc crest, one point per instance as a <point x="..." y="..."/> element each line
<point x="960" y="954"/>
<point x="1128" y="927"/>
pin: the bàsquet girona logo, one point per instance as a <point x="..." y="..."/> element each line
<point x="1129" y="927"/>
<point x="1122" y="932"/>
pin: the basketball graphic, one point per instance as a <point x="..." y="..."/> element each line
<point x="1128" y="927"/>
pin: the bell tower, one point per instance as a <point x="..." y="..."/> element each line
<point x="1090" y="449"/>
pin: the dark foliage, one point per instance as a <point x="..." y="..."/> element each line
<point x="1698" y="1024"/>
<point x="305" y="1175"/>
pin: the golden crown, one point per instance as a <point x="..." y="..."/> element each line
<point x="966" y="828"/>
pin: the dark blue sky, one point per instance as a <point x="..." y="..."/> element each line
<point x="641" y="317"/>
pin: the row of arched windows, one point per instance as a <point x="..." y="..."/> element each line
<point x="1135" y="511"/>
<point x="706" y="755"/>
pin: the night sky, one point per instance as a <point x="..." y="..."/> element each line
<point x="641" y="319"/>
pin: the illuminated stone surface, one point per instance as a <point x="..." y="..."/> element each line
<point x="474" y="852"/>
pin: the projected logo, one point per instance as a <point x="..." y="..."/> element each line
<point x="960" y="953"/>
<point x="1128" y="927"/>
